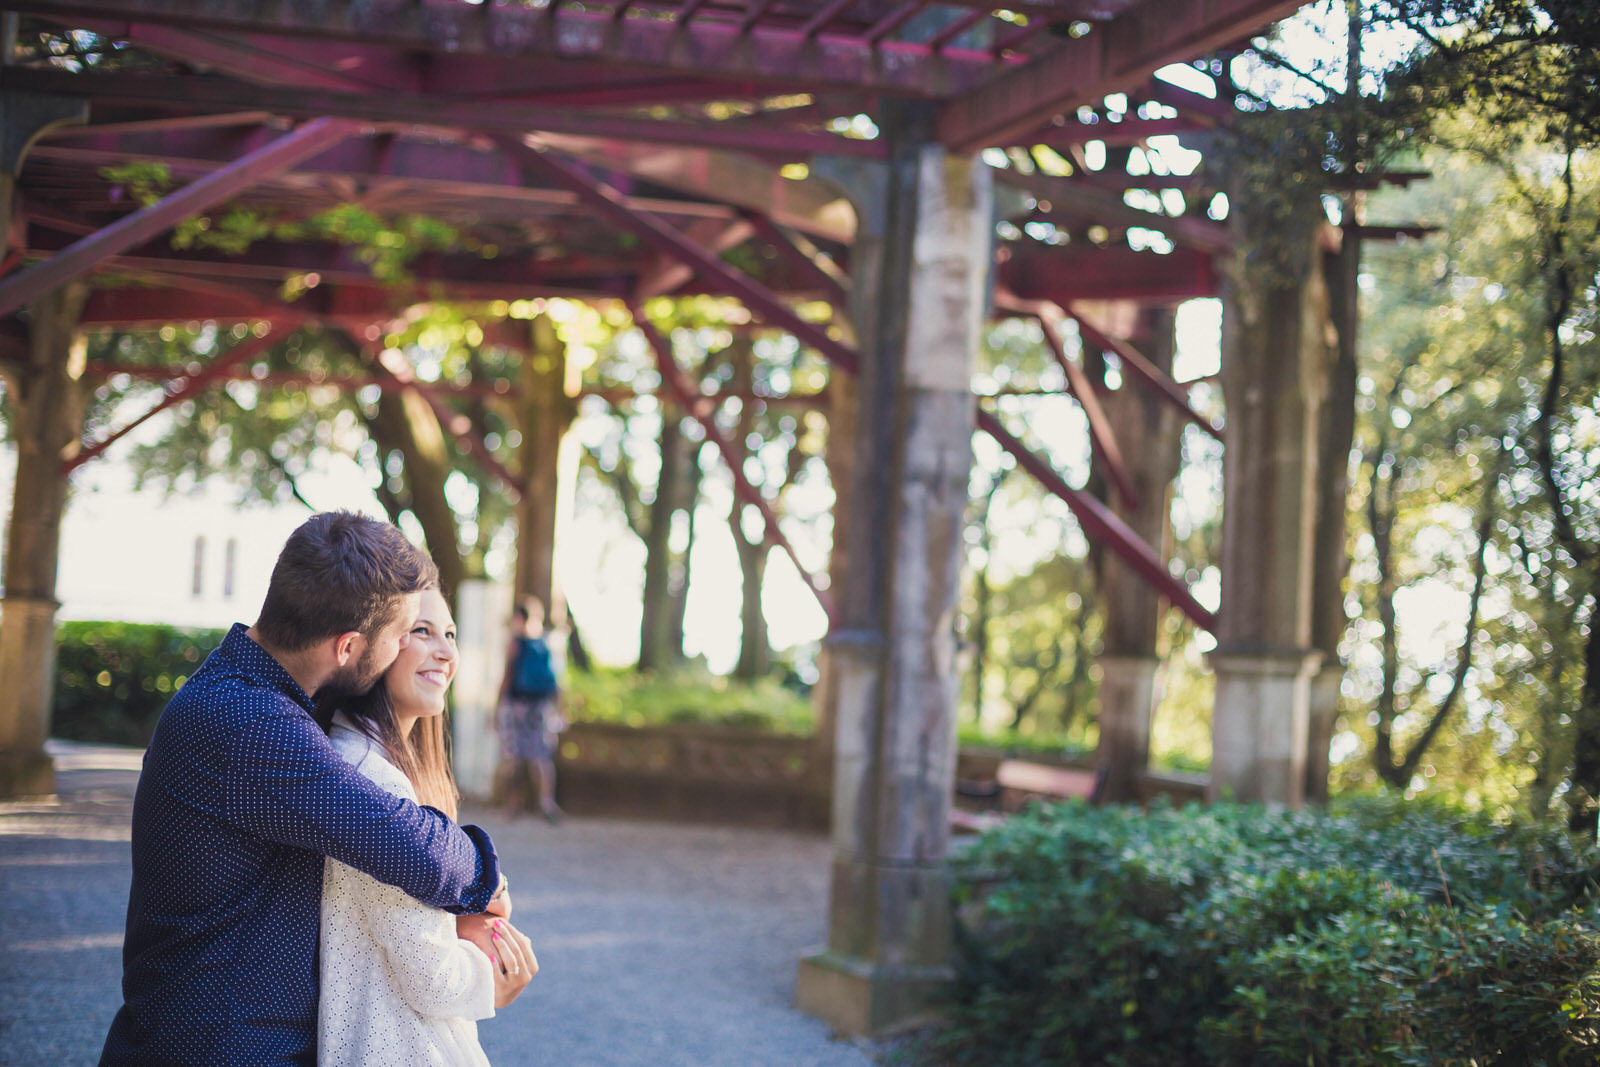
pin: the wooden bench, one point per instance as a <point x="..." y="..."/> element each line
<point x="1020" y="782"/>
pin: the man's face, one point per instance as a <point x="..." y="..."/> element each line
<point x="378" y="653"/>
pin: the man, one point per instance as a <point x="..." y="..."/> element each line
<point x="242" y="796"/>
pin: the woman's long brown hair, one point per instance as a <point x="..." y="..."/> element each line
<point x="424" y="757"/>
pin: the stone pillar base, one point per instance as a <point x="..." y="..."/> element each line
<point x="1129" y="691"/>
<point x="1259" y="725"/>
<point x="1324" y="711"/>
<point x="26" y="774"/>
<point x="860" y="998"/>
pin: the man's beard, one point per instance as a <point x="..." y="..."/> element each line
<point x="353" y="679"/>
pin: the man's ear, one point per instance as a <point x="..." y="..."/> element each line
<point x="347" y="647"/>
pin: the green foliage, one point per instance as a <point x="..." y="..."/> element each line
<point x="385" y="245"/>
<point x="1381" y="933"/>
<point x="633" y="699"/>
<point x="113" y="678"/>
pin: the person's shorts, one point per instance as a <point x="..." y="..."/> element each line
<point x="527" y="728"/>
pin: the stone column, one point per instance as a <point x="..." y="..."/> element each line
<point x="1332" y="555"/>
<point x="1276" y="340"/>
<point x="892" y="655"/>
<point x="47" y="396"/>
<point x="548" y="466"/>
<point x="1147" y="434"/>
<point x="24" y="117"/>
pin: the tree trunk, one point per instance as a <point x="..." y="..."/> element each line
<point x="544" y="418"/>
<point x="655" y="626"/>
<point x="48" y="396"/>
<point x="406" y="423"/>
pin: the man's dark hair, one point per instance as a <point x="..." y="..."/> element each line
<point x="338" y="572"/>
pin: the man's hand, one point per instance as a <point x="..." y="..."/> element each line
<point x="511" y="953"/>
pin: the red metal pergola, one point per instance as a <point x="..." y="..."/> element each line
<point x="567" y="136"/>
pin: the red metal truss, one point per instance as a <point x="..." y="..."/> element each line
<point x="1062" y="274"/>
<point x="392" y="364"/>
<point x="1115" y="56"/>
<point x="609" y="203"/>
<point x="1102" y="524"/>
<point x="772" y="53"/>
<point x="84" y="255"/>
<point x="225" y="95"/>
<point x="785" y="246"/>
<point x="187" y="386"/>
<point x="703" y="409"/>
<point x="1132" y="359"/>
<point x="1100" y="431"/>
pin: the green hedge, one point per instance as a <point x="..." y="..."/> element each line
<point x="611" y="695"/>
<point x="1384" y="934"/>
<point x="113" y="678"/>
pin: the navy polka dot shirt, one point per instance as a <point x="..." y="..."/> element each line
<point x="240" y="799"/>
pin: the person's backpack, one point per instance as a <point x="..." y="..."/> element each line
<point x="534" y="676"/>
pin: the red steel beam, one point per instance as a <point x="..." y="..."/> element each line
<point x="610" y="204"/>
<point x="82" y="256"/>
<point x="893" y="21"/>
<point x="392" y="363"/>
<point x="821" y="19"/>
<point x="785" y="246"/>
<point x="776" y="56"/>
<point x="224" y="94"/>
<point x="1134" y="360"/>
<point x="1100" y="430"/>
<point x="703" y="409"/>
<point x="673" y="272"/>
<point x="253" y="60"/>
<point x="186" y="387"/>
<point x="1102" y="524"/>
<point x="961" y="25"/>
<point x="1113" y="57"/>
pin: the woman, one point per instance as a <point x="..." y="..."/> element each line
<point x="397" y="985"/>
<point x="528" y="712"/>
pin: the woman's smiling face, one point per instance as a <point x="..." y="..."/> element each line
<point x="422" y="673"/>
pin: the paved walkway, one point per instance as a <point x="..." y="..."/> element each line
<point x="658" y="944"/>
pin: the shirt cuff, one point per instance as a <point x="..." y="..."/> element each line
<point x="476" y="899"/>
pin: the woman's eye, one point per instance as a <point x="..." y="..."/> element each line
<point x="421" y="630"/>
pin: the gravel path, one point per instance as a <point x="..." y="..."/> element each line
<point x="658" y="944"/>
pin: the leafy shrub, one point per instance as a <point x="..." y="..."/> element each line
<point x="1383" y="933"/>
<point x="633" y="699"/>
<point x="113" y="678"/>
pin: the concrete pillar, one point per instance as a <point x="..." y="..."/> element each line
<point x="47" y="396"/>
<point x="893" y="654"/>
<point x="1331" y="564"/>
<point x="1147" y="433"/>
<point x="549" y="466"/>
<point x="1276" y="348"/>
<point x="24" y="118"/>
<point x="1129" y="692"/>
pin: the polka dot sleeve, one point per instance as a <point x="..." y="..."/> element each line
<point x="288" y="785"/>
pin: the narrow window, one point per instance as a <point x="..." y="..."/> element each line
<point x="199" y="565"/>
<point x="230" y="551"/>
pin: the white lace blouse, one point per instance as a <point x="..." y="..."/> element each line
<point x="397" y="985"/>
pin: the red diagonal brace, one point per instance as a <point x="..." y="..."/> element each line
<point x="391" y="363"/>
<point x="786" y="247"/>
<point x="1105" y="438"/>
<point x="1152" y="375"/>
<point x="703" y="408"/>
<point x="610" y="204"/>
<point x="188" y="386"/>
<point x="81" y="257"/>
<point x="1102" y="524"/>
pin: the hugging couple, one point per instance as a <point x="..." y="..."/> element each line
<point x="301" y="891"/>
